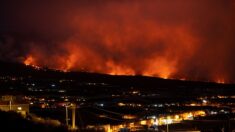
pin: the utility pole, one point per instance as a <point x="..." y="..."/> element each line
<point x="167" y="122"/>
<point x="167" y="127"/>
<point x="66" y="115"/>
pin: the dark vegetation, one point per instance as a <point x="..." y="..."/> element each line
<point x="13" y="122"/>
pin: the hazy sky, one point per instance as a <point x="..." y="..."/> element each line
<point x="184" y="39"/>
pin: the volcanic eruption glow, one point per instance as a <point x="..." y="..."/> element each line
<point x="29" y="61"/>
<point x="121" y="54"/>
<point x="170" y="39"/>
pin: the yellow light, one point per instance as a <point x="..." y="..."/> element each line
<point x="193" y="104"/>
<point x="156" y="122"/>
<point x="177" y="117"/>
<point x="121" y="104"/>
<point x="132" y="124"/>
<point x="19" y="108"/>
<point x="190" y="115"/>
<point x="169" y="121"/>
<point x="143" y="122"/>
<point x="102" y="116"/>
<point x="129" y="117"/>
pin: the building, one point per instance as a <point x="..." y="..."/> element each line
<point x="14" y="103"/>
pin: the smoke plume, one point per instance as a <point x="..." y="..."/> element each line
<point x="183" y="39"/>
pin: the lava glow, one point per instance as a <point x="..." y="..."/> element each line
<point x="29" y="61"/>
<point x="158" y="56"/>
<point x="222" y="81"/>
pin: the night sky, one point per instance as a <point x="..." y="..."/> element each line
<point x="183" y="39"/>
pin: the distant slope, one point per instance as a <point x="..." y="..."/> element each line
<point x="141" y="82"/>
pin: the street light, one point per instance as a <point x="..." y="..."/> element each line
<point x="73" y="107"/>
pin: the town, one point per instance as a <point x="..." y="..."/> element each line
<point x="97" y="102"/>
